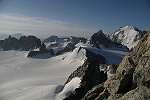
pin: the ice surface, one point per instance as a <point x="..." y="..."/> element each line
<point x="68" y="88"/>
<point x="36" y="78"/>
<point x="112" y="55"/>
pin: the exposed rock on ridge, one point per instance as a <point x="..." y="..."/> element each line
<point x="90" y="75"/>
<point x="132" y="80"/>
<point x="42" y="50"/>
<point x="63" y="44"/>
<point x="99" y="39"/>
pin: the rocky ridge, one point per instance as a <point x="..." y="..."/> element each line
<point x="89" y="73"/>
<point x="99" y="39"/>
<point x="132" y="79"/>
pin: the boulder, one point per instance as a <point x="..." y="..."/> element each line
<point x="94" y="92"/>
<point x="103" y="96"/>
<point x="122" y="80"/>
<point x="114" y="96"/>
<point x="140" y="93"/>
<point x="141" y="75"/>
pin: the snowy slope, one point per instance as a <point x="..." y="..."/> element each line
<point x="127" y="36"/>
<point x="77" y="54"/>
<point x="112" y="55"/>
<point x="35" y="78"/>
<point x="61" y="45"/>
<point x="42" y="77"/>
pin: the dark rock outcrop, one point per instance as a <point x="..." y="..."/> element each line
<point x="89" y="73"/>
<point x="9" y="43"/>
<point x="42" y="50"/>
<point x="99" y="38"/>
<point x="33" y="53"/>
<point x="140" y="93"/>
<point x="24" y="43"/>
<point x="67" y="48"/>
<point x="29" y="43"/>
<point x="132" y="79"/>
<point x="94" y="92"/>
<point x="51" y="39"/>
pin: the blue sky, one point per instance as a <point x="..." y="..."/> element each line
<point x="72" y="17"/>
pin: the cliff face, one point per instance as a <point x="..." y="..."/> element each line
<point x="132" y="79"/>
<point x="90" y="75"/>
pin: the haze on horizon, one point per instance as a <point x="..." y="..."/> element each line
<point x="43" y="18"/>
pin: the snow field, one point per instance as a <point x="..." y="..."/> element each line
<point x="37" y="78"/>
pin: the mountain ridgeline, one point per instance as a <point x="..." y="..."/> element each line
<point x="23" y="43"/>
<point x="124" y="37"/>
<point x="64" y="44"/>
<point x="99" y="39"/>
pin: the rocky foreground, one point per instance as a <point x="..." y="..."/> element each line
<point x="131" y="81"/>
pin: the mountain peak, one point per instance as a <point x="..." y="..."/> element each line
<point x="129" y="27"/>
<point x="100" y="32"/>
<point x="99" y="39"/>
<point x="127" y="36"/>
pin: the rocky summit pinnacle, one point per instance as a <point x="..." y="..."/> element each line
<point x="99" y="39"/>
<point x="89" y="74"/>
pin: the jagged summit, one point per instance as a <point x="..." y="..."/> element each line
<point x="127" y="36"/>
<point x="99" y="39"/>
<point x="100" y="32"/>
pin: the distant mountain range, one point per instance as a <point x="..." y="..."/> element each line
<point x="61" y="45"/>
<point x="125" y="37"/>
<point x="23" y="43"/>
